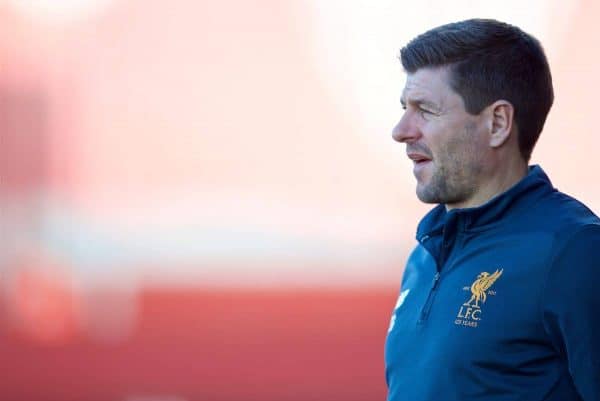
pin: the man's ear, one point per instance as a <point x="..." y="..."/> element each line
<point x="501" y="122"/>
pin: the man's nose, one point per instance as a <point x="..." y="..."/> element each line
<point x="406" y="131"/>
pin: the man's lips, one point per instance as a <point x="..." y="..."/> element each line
<point x="418" y="157"/>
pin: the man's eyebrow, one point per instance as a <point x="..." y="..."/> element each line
<point x="420" y="102"/>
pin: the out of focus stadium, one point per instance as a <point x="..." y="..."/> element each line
<point x="201" y="200"/>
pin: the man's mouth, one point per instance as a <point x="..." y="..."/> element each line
<point x="418" y="158"/>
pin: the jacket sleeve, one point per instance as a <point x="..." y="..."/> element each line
<point x="571" y="308"/>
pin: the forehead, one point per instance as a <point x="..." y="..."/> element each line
<point x="430" y="84"/>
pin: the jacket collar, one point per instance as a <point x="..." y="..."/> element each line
<point x="517" y="198"/>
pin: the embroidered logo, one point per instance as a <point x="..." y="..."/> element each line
<point x="470" y="312"/>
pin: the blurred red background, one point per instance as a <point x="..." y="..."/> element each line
<point x="202" y="201"/>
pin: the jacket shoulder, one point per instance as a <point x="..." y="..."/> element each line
<point x="559" y="212"/>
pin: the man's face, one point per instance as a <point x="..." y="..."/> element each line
<point x="448" y="146"/>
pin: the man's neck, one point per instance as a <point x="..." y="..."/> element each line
<point x="506" y="178"/>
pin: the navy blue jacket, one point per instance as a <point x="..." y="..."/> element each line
<point x="500" y="302"/>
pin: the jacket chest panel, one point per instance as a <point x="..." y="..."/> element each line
<point x="486" y="298"/>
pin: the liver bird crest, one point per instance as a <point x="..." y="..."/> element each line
<point x="480" y="286"/>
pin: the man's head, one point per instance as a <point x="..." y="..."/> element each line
<point x="476" y="91"/>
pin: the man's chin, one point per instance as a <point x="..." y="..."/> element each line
<point x="425" y="195"/>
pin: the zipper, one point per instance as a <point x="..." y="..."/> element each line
<point x="429" y="302"/>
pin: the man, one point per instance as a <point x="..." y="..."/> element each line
<point x="500" y="300"/>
